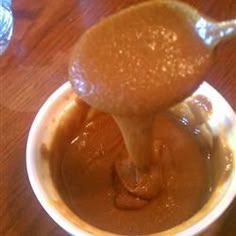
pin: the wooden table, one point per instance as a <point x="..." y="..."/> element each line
<point x="35" y="64"/>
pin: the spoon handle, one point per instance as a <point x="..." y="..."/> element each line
<point x="213" y="33"/>
<point x="226" y="30"/>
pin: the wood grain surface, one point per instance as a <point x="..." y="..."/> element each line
<point x="35" y="64"/>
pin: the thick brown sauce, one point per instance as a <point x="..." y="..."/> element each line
<point x="87" y="145"/>
<point x="133" y="65"/>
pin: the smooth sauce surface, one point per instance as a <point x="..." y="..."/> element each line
<point x="86" y="146"/>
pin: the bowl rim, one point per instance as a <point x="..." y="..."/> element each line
<point x="187" y="228"/>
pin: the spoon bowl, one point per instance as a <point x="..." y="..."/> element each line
<point x="123" y="62"/>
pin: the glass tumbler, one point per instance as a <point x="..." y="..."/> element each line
<point x="6" y="24"/>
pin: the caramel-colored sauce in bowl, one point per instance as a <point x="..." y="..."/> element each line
<point x="85" y="148"/>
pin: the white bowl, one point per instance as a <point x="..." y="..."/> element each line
<point x="222" y="123"/>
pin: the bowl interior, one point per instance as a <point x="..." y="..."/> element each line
<point x="208" y="113"/>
